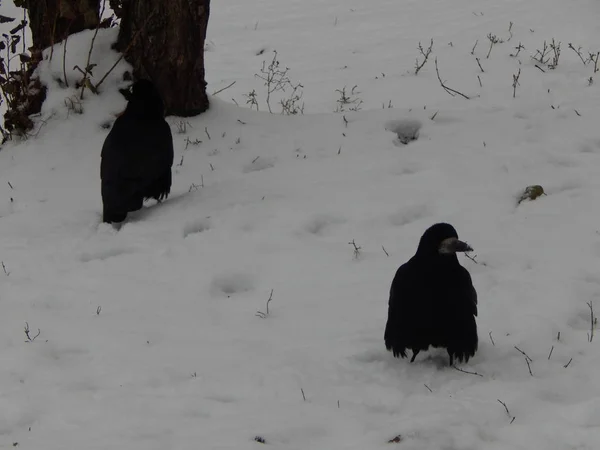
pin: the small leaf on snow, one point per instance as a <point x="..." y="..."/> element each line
<point x="531" y="193"/>
<point x="395" y="440"/>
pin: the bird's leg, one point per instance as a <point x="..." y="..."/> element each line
<point x="415" y="353"/>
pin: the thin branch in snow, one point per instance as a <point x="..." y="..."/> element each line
<point x="524" y="354"/>
<point x="261" y="314"/>
<point x="550" y="354"/>
<point x="568" y="364"/>
<point x="28" y="333"/>
<point x="492" y="339"/>
<point x="356" y="249"/>
<point x="507" y="411"/>
<point x="466" y="371"/>
<point x="221" y="90"/>
<point x="450" y="91"/>
<point x="528" y="365"/>
<point x="592" y="322"/>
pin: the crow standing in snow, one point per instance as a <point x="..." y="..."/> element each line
<point x="137" y="155"/>
<point x="432" y="299"/>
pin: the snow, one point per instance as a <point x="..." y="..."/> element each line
<point x="149" y="337"/>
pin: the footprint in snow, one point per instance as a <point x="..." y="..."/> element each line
<point x="196" y="226"/>
<point x="590" y="146"/>
<point x="259" y="163"/>
<point x="104" y="254"/>
<point x="407" y="130"/>
<point x="320" y="223"/>
<point x="409" y="214"/>
<point x="231" y="283"/>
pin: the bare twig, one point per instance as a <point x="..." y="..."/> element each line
<point x="578" y="51"/>
<point x="28" y="333"/>
<point x="428" y="388"/>
<point x="450" y="91"/>
<point x="542" y="55"/>
<point x="523" y="353"/>
<point x="507" y="411"/>
<point x="550" y="354"/>
<point x="592" y="322"/>
<point x="474" y="257"/>
<point x="6" y="272"/>
<point x="385" y="251"/>
<point x="493" y="40"/>
<point x="479" y="64"/>
<point x="356" y="249"/>
<point x="555" y="54"/>
<point x="64" y="62"/>
<point x="303" y="396"/>
<point x="425" y="53"/>
<point x="568" y="364"/>
<point x="221" y="90"/>
<point x="261" y="314"/>
<point x="528" y="366"/>
<point x="516" y="82"/>
<point x="518" y="48"/>
<point x="466" y="371"/>
<point x="492" y="339"/>
<point x="86" y="83"/>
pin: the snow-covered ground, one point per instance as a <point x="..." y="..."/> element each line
<point x="149" y="338"/>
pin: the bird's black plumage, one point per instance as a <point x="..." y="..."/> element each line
<point x="137" y="155"/>
<point x="432" y="300"/>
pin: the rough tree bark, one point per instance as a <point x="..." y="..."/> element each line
<point x="51" y="21"/>
<point x="164" y="41"/>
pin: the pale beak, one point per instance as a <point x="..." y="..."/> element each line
<point x="453" y="245"/>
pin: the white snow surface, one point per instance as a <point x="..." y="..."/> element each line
<point x="149" y="337"/>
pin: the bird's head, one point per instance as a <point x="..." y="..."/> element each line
<point x="441" y="239"/>
<point x="145" y="100"/>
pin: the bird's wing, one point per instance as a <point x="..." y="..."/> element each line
<point x="404" y="311"/>
<point x="470" y="292"/>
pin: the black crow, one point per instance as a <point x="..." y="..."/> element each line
<point x="137" y="155"/>
<point x="432" y="299"/>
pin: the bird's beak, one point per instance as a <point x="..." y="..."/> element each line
<point x="453" y="245"/>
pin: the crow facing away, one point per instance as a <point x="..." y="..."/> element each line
<point x="432" y="299"/>
<point x="137" y="155"/>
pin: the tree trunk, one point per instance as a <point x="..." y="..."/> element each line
<point x="51" y="21"/>
<point x="164" y="42"/>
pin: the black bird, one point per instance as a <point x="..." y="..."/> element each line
<point x="137" y="155"/>
<point x="432" y="299"/>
